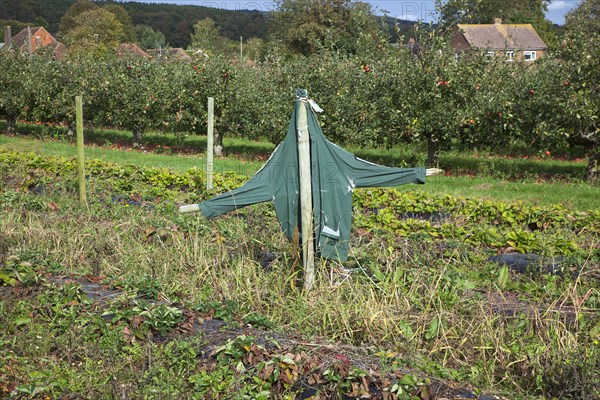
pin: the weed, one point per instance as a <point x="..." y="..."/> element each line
<point x="420" y="285"/>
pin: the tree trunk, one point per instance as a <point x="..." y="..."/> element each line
<point x="593" y="168"/>
<point x="138" y="132"/>
<point x="218" y="147"/>
<point x="70" y="129"/>
<point x="433" y="153"/>
<point x="11" y="124"/>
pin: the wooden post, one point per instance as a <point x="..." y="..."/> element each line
<point x="210" y="139"/>
<point x="80" y="152"/>
<point x="306" y="213"/>
<point x="241" y="49"/>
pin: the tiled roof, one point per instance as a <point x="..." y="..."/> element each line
<point x="131" y="49"/>
<point x="502" y="36"/>
<point x="169" y="54"/>
<point x="20" y="39"/>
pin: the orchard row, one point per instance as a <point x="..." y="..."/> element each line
<point x="390" y="97"/>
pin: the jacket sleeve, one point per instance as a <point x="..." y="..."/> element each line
<point x="367" y="174"/>
<point x="279" y="172"/>
<point x="357" y="172"/>
<point x="257" y="190"/>
<point x="252" y="192"/>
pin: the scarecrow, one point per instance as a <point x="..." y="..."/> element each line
<point x="334" y="174"/>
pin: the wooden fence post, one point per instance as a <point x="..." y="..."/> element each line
<point x="80" y="150"/>
<point x="306" y="213"/>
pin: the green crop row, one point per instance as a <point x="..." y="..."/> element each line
<point x="388" y="212"/>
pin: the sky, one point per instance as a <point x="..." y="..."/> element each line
<point x="405" y="9"/>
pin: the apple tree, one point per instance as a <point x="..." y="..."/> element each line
<point x="581" y="51"/>
<point x="136" y="101"/>
<point x="14" y="97"/>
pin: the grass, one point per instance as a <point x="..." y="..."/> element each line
<point x="176" y="162"/>
<point x="572" y="195"/>
<point x="515" y="160"/>
<point x="438" y="306"/>
<point x="413" y="294"/>
<point x="532" y="189"/>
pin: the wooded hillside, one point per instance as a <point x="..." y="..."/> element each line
<point x="174" y="21"/>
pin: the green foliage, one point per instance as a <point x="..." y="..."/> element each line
<point x="15" y="272"/>
<point x="309" y="27"/>
<point x="149" y="38"/>
<point x="581" y="52"/>
<point x="175" y="21"/>
<point x="434" y="299"/>
<point x="406" y="387"/>
<point x="68" y="20"/>
<point x="15" y="99"/>
<point x="15" y="25"/>
<point x="550" y="230"/>
<point x="123" y="17"/>
<point x="497" y="225"/>
<point x="143" y="317"/>
<point x="205" y="36"/>
<point x="382" y="98"/>
<point x="95" y="32"/>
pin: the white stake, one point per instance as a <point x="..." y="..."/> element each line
<point x="80" y="149"/>
<point x="189" y="208"/>
<point x="210" y="138"/>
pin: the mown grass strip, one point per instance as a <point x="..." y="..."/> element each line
<point x="573" y="194"/>
<point x="176" y="162"/>
<point x="514" y="162"/>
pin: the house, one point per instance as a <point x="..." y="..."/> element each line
<point x="131" y="50"/>
<point x="512" y="41"/>
<point x="174" y="54"/>
<point x="34" y="39"/>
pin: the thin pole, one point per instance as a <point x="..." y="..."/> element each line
<point x="7" y="37"/>
<point x="241" y="49"/>
<point x="29" y="46"/>
<point x="306" y="213"/>
<point x="80" y="152"/>
<point x="210" y="138"/>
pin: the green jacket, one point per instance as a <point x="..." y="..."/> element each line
<point x="335" y="174"/>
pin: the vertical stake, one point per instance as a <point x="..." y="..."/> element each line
<point x="210" y="144"/>
<point x="80" y="152"/>
<point x="306" y="213"/>
<point x="29" y="44"/>
<point x="241" y="49"/>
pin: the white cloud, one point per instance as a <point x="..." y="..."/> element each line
<point x="409" y="17"/>
<point x="558" y="5"/>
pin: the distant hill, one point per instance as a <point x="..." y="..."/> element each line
<point x="174" y="21"/>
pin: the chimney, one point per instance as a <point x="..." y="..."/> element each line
<point x="497" y="21"/>
<point x="29" y="44"/>
<point x="7" y="37"/>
